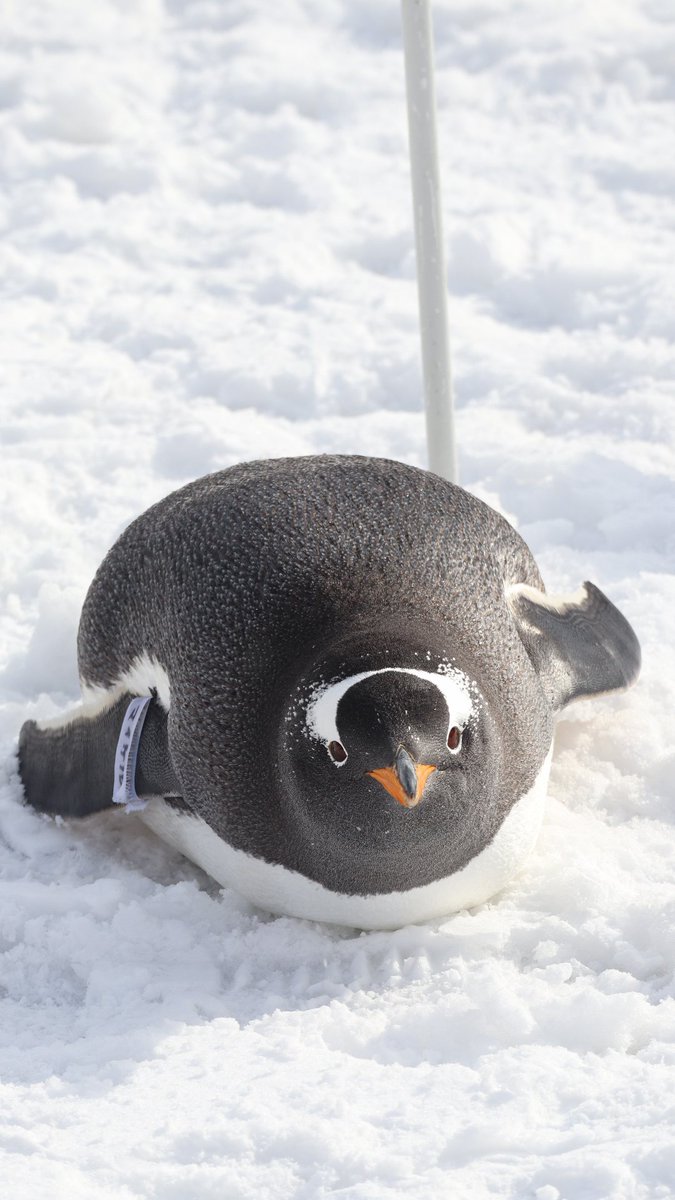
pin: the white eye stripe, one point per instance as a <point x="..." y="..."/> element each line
<point x="322" y="709"/>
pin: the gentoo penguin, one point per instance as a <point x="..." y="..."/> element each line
<point x="332" y="683"/>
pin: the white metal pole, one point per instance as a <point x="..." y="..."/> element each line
<point x="431" y="279"/>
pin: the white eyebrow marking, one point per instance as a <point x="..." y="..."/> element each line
<point x="322" y="709"/>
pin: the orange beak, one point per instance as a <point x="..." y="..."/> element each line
<point x="405" y="780"/>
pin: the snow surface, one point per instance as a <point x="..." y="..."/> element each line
<point x="208" y="256"/>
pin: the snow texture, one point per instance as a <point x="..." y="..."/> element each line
<point x="207" y="257"/>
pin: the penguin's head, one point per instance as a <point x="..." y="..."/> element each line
<point x="395" y="726"/>
<point x="393" y="770"/>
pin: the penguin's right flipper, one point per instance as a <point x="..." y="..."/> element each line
<point x="68" y="767"/>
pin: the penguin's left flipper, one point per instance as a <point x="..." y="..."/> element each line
<point x="579" y="645"/>
<point x="67" y="767"/>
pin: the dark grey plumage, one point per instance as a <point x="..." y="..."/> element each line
<point x="252" y="584"/>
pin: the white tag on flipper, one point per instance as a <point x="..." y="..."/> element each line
<point x="126" y="755"/>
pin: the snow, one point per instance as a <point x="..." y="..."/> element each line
<point x="207" y="256"/>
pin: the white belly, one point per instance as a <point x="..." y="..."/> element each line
<point x="280" y="890"/>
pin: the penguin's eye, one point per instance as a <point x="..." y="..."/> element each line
<point x="337" y="752"/>
<point x="454" y="738"/>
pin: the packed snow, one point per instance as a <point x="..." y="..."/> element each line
<point x="208" y="257"/>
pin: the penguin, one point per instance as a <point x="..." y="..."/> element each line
<point x="332" y="683"/>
